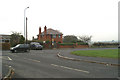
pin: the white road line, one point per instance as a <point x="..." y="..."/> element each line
<point x="70" y="68"/>
<point x="54" y="65"/>
<point x="9" y="58"/>
<point x="32" y="60"/>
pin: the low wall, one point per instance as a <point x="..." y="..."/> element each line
<point x="81" y="46"/>
<point x="5" y="46"/>
<point x="47" y="46"/>
<point x="66" y="46"/>
<point x="73" y="46"/>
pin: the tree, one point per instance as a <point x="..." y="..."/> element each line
<point x="70" y="39"/>
<point x="22" y="39"/>
<point x="16" y="38"/>
<point x="85" y="39"/>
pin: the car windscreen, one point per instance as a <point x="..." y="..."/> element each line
<point x="17" y="45"/>
<point x="34" y="43"/>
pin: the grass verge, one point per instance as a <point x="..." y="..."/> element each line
<point x="108" y="53"/>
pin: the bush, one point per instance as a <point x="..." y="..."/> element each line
<point x="82" y="43"/>
<point x="59" y="42"/>
<point x="70" y="39"/>
<point x="47" y="41"/>
<point x="105" y="44"/>
<point x="63" y="44"/>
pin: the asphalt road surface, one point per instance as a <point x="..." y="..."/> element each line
<point x="46" y="64"/>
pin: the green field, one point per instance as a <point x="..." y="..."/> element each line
<point x="108" y="53"/>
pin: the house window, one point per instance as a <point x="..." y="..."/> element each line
<point x="59" y="36"/>
<point x="3" y="41"/>
<point x="54" y="36"/>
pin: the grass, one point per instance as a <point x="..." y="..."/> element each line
<point x="108" y="53"/>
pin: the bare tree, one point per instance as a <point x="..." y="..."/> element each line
<point x="85" y="38"/>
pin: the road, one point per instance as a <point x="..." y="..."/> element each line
<point x="46" y="64"/>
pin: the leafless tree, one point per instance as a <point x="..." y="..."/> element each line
<point x="85" y="38"/>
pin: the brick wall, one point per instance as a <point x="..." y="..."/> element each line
<point x="66" y="46"/>
<point x="5" y="46"/>
<point x="48" y="37"/>
<point x="81" y="46"/>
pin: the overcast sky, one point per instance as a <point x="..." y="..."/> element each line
<point x="98" y="18"/>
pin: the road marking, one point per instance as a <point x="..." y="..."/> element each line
<point x="32" y="60"/>
<point x="9" y="58"/>
<point x="6" y="58"/>
<point x="70" y="68"/>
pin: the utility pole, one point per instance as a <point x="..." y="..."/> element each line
<point x="26" y="29"/>
<point x="25" y="19"/>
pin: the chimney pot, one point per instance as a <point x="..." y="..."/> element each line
<point x="39" y="30"/>
<point x="45" y="29"/>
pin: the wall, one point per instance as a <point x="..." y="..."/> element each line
<point x="81" y="46"/>
<point x="73" y="46"/>
<point x="66" y="46"/>
<point x="5" y="46"/>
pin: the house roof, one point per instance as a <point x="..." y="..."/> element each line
<point x="51" y="31"/>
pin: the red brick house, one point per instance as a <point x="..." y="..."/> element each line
<point x="50" y="35"/>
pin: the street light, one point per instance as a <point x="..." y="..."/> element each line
<point x="25" y="19"/>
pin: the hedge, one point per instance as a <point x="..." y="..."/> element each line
<point x="104" y="44"/>
<point x="63" y="44"/>
<point x="82" y="43"/>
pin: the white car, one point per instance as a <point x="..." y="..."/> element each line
<point x="36" y="46"/>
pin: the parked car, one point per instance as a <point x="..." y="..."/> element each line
<point x="20" y="47"/>
<point x="36" y="46"/>
<point x="119" y="46"/>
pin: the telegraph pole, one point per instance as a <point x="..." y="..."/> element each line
<point x="25" y="19"/>
<point x="26" y="29"/>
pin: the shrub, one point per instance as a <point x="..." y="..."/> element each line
<point x="63" y="44"/>
<point x="104" y="44"/>
<point x="59" y="42"/>
<point x="82" y="43"/>
<point x="70" y="39"/>
<point x="47" y="41"/>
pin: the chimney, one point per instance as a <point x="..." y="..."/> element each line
<point x="45" y="30"/>
<point x="33" y="38"/>
<point x="39" y="30"/>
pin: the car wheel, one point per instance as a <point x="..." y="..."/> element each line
<point x="15" y="51"/>
<point x="41" y="49"/>
<point x="28" y="50"/>
<point x="25" y="50"/>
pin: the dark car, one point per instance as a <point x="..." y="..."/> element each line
<point x="119" y="46"/>
<point x="20" y="47"/>
<point x="35" y="46"/>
